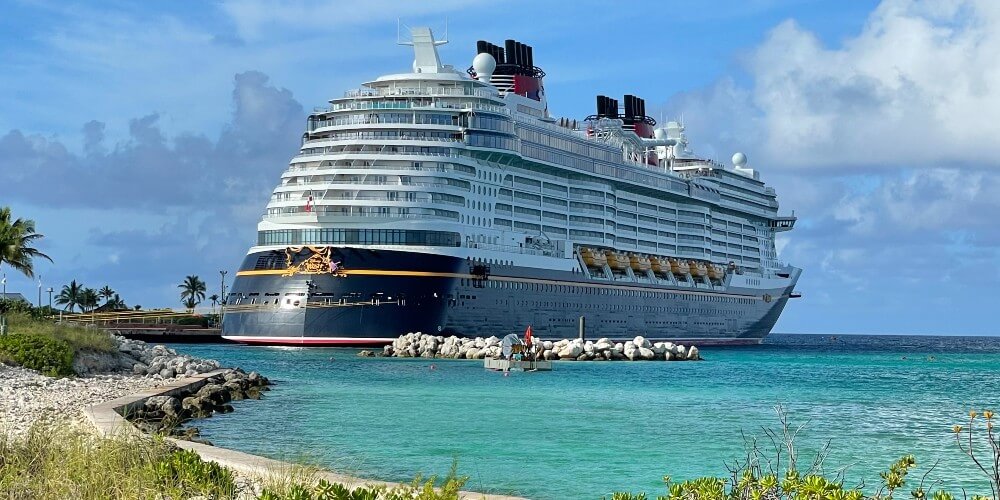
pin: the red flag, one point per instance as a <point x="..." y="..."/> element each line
<point x="527" y="335"/>
<point x="309" y="203"/>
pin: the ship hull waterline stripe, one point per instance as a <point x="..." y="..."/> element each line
<point x="425" y="274"/>
<point x="368" y="341"/>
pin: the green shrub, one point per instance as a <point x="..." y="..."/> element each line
<point x="418" y="489"/>
<point x="47" y="355"/>
<point x="186" y="470"/>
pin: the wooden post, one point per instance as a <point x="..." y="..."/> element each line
<point x="583" y="329"/>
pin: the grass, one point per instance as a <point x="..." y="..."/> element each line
<point x="55" y="462"/>
<point x="77" y="337"/>
<point x="58" y="462"/>
<point x="49" y="347"/>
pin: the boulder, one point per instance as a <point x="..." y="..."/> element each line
<point x="588" y="347"/>
<point x="571" y="351"/>
<point x="641" y="341"/>
<point x="646" y="353"/>
<point x="668" y="356"/>
<point x="693" y="354"/>
<point x="603" y="344"/>
<point x="680" y="351"/>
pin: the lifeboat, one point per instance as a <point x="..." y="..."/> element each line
<point x="716" y="272"/>
<point x="617" y="261"/>
<point x="678" y="266"/>
<point x="698" y="269"/>
<point x="659" y="265"/>
<point x="639" y="263"/>
<point x="592" y="258"/>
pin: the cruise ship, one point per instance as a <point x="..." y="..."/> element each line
<point x="455" y="202"/>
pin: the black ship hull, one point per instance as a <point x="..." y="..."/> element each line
<point x="374" y="296"/>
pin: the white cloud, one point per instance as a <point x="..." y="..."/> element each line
<point x="918" y="86"/>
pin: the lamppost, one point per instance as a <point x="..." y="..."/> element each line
<point x="222" y="288"/>
<point x="4" y="281"/>
<point x="50" y="298"/>
<point x="39" y="291"/>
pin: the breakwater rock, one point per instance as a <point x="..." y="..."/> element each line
<point x="165" y="413"/>
<point x="420" y="345"/>
<point x="139" y="358"/>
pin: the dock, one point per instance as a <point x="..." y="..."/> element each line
<point x="507" y="365"/>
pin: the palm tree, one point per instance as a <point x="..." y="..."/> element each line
<point x="106" y="293"/>
<point x="71" y="296"/>
<point x="17" y="238"/>
<point x="116" y="303"/>
<point x="192" y="291"/>
<point x="215" y="300"/>
<point x="90" y="299"/>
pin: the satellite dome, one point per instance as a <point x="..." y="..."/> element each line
<point x="739" y="159"/>
<point x="484" y="65"/>
<point x="660" y="133"/>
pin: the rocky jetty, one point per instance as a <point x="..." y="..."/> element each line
<point x="420" y="345"/>
<point x="139" y="358"/>
<point x="166" y="413"/>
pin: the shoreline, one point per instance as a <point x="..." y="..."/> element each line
<point x="106" y="418"/>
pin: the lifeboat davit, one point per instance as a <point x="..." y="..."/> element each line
<point x="592" y="258"/>
<point x="617" y="261"/>
<point x="698" y="269"/>
<point x="639" y="263"/>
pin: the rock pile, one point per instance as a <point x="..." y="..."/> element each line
<point x="419" y="345"/>
<point x="166" y="412"/>
<point x="140" y="358"/>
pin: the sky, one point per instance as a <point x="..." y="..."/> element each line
<point x="145" y="138"/>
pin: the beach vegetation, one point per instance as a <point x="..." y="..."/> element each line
<point x="17" y="243"/>
<point x="58" y="462"/>
<point x="307" y="488"/>
<point x="774" y="472"/>
<point x="43" y="354"/>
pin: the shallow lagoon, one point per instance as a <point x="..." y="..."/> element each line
<point x="588" y="428"/>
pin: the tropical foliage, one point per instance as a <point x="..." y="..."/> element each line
<point x="17" y="240"/>
<point x="71" y="296"/>
<point x="106" y="293"/>
<point x="192" y="291"/>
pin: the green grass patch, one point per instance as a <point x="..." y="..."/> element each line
<point x="58" y="462"/>
<point x="77" y="337"/>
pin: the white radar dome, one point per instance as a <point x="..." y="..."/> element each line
<point x="739" y="159"/>
<point x="484" y="65"/>
<point x="660" y="133"/>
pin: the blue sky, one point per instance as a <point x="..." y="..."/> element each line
<point x="145" y="138"/>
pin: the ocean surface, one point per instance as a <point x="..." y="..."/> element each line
<point x="586" y="429"/>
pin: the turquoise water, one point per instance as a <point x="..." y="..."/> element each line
<point x="586" y="429"/>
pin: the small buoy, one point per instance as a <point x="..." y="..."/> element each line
<point x="331" y="358"/>
<point x="433" y="367"/>
<point x="506" y="374"/>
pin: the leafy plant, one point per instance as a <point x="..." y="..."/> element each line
<point x="184" y="469"/>
<point x="17" y="240"/>
<point x="50" y="356"/>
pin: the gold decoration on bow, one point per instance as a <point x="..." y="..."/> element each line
<point x="317" y="263"/>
